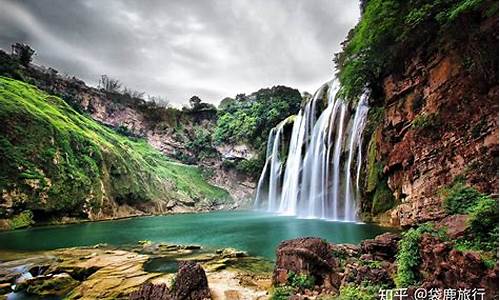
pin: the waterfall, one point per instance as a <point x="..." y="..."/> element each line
<point x="323" y="151"/>
<point x="274" y="165"/>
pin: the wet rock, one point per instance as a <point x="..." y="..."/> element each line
<point x="5" y="288"/>
<point x="191" y="282"/>
<point x="310" y="256"/>
<point x="383" y="247"/>
<point x="151" y="291"/>
<point x="50" y="285"/>
<point x="231" y="253"/>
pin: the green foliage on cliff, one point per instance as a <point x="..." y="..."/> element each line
<point x="459" y="198"/>
<point x="374" y="168"/>
<point x="387" y="30"/>
<point x="54" y="160"/>
<point x="248" y="119"/>
<point x="383" y="199"/>
<point x="408" y="257"/>
<point x="425" y="121"/>
<point x="483" y="220"/>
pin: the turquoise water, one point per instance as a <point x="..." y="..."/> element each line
<point x="255" y="232"/>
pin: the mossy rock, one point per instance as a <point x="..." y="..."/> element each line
<point x="383" y="199"/>
<point x="56" y="285"/>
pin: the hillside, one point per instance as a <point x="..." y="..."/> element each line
<point x="59" y="163"/>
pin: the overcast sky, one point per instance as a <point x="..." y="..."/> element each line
<point x="180" y="48"/>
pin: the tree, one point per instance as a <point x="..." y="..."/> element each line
<point x="109" y="84"/>
<point x="195" y="102"/>
<point x="159" y="101"/>
<point x="23" y="52"/>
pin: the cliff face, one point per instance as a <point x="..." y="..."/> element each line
<point x="440" y="123"/>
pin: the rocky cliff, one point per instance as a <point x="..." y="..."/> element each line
<point x="434" y="117"/>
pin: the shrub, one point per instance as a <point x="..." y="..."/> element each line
<point x="364" y="291"/>
<point x="24" y="219"/>
<point x="301" y="281"/>
<point x="459" y="198"/>
<point x="424" y="121"/>
<point x="483" y="221"/>
<point x="282" y="292"/>
<point x="408" y="257"/>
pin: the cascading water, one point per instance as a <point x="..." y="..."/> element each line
<point x="317" y="180"/>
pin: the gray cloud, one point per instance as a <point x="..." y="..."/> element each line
<point x="180" y="48"/>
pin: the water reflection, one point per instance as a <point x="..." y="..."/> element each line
<point x="254" y="232"/>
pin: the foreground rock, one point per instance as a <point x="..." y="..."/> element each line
<point x="151" y="291"/>
<point x="373" y="265"/>
<point x="104" y="273"/>
<point x="191" y="282"/>
<point x="308" y="256"/>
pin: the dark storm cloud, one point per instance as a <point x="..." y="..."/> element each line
<point x="179" y="48"/>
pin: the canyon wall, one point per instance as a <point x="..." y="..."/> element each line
<point x="439" y="123"/>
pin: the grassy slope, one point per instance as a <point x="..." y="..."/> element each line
<point x="57" y="161"/>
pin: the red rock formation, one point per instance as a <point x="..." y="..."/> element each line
<point x="441" y="121"/>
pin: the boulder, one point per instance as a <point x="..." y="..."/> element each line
<point x="151" y="291"/>
<point x="456" y="225"/>
<point x="191" y="282"/>
<point x="383" y="247"/>
<point x="310" y="256"/>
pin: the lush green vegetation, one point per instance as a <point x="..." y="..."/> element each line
<point x="301" y="281"/>
<point x="389" y="29"/>
<point x="483" y="216"/>
<point x="459" y="198"/>
<point x="248" y="119"/>
<point x="408" y="257"/>
<point x="383" y="199"/>
<point x="54" y="160"/>
<point x="365" y="291"/>
<point x="282" y="292"/>
<point x="295" y="283"/>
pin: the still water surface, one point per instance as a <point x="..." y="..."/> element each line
<point x="255" y="232"/>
